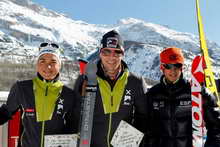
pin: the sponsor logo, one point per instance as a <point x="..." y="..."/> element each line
<point x="60" y="105"/>
<point x="197" y="117"/>
<point x="29" y="112"/>
<point x="112" y="42"/>
<point x="185" y="103"/>
<point x="127" y="97"/>
<point x="158" y="104"/>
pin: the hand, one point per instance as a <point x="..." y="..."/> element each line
<point x="5" y="115"/>
<point x="209" y="99"/>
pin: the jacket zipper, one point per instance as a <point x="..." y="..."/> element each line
<point x="111" y="99"/>
<point x="173" y="107"/>
<point x="110" y="121"/>
<point x="46" y="91"/>
<point x="109" y="129"/>
<point x="43" y="123"/>
<point x="42" y="134"/>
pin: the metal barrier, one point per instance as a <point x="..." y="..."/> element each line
<point x="3" y="128"/>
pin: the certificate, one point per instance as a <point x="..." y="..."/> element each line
<point x="126" y="136"/>
<point x="66" y="140"/>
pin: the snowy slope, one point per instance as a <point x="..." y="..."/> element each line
<point x="23" y="25"/>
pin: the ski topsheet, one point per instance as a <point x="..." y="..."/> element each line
<point x="209" y="76"/>
<point x="198" y="79"/>
<point x="89" y="95"/>
<point x="202" y="74"/>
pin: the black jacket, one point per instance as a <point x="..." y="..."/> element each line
<point x="132" y="110"/>
<point x="212" y="118"/>
<point x="64" y="119"/>
<point x="169" y="115"/>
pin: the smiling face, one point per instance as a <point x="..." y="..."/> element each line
<point x="172" y="73"/>
<point x="48" y="66"/>
<point x="111" y="60"/>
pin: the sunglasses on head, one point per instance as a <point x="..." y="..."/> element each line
<point x="45" y="44"/>
<point x="170" y="66"/>
<point x="108" y="52"/>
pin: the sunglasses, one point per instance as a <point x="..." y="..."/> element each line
<point x="45" y="44"/>
<point x="170" y="66"/>
<point x="108" y="52"/>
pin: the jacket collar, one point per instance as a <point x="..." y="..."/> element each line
<point x="179" y="81"/>
<point x="101" y="73"/>
<point x="52" y="81"/>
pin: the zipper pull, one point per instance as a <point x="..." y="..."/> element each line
<point x="111" y="99"/>
<point x="46" y="91"/>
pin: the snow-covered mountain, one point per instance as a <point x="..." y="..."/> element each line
<point x="24" y="25"/>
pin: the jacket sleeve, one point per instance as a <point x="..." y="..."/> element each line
<point x="72" y="116"/>
<point x="211" y="109"/>
<point x="211" y="117"/>
<point x="12" y="105"/>
<point x="140" y="113"/>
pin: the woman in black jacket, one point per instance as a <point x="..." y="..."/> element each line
<point x="48" y="107"/>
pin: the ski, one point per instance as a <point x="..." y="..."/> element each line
<point x="209" y="76"/>
<point x="14" y="129"/>
<point x="197" y="81"/>
<point x="89" y="90"/>
<point x="202" y="75"/>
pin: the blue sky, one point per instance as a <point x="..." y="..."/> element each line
<point x="179" y="15"/>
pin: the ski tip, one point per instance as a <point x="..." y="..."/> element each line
<point x="83" y="60"/>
